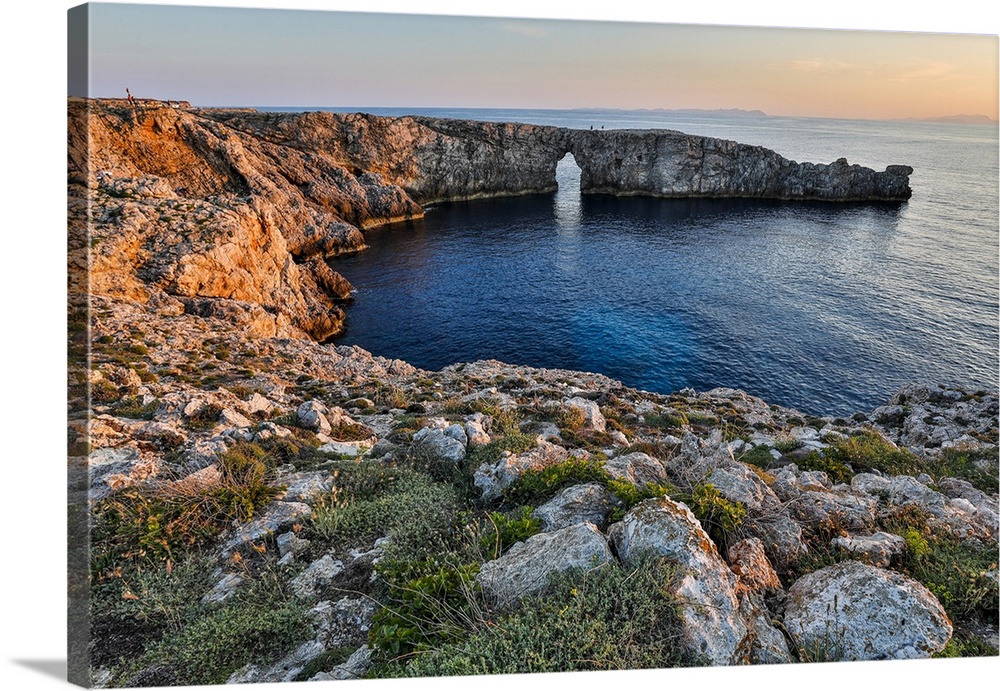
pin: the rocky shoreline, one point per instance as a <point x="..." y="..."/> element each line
<point x="262" y="507"/>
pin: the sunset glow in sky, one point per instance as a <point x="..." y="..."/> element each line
<point x="256" y="57"/>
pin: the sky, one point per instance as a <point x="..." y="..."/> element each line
<point x="274" y="57"/>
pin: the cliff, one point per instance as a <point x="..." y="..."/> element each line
<point x="231" y="212"/>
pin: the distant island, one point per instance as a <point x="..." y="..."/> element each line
<point x="959" y="119"/>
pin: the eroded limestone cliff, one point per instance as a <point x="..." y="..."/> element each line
<point x="232" y="212"/>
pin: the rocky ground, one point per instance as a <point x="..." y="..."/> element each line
<point x="267" y="508"/>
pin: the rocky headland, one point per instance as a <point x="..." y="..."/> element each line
<point x="249" y="504"/>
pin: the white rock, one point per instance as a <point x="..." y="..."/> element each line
<point x="638" y="468"/>
<point x="316" y="576"/>
<point x="351" y="449"/>
<point x="589" y="503"/>
<point x="852" y="611"/>
<point x="712" y="625"/>
<point x="527" y="566"/>
<point x="877" y="549"/>
<point x="593" y="418"/>
<point x="312" y="415"/>
<point x="222" y="590"/>
<point x="440" y="444"/>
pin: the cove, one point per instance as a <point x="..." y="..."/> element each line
<point x="784" y="300"/>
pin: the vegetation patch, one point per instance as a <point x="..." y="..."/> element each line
<point x="159" y="523"/>
<point x="537" y="486"/>
<point x="504" y="530"/>
<point x="258" y="625"/>
<point x="610" y="617"/>
<point x="371" y="500"/>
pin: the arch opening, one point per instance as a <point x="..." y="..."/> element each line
<point x="567" y="198"/>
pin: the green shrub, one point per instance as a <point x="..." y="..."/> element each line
<point x="870" y="451"/>
<point x="244" y="486"/>
<point x="424" y="612"/>
<point x="835" y="469"/>
<point x="205" y="418"/>
<point x="630" y="495"/>
<point x="788" y="445"/>
<point x="759" y="456"/>
<point x="978" y="467"/>
<point x="966" y="645"/>
<point x="610" y="617"/>
<point x="416" y="513"/>
<point x="130" y="407"/>
<point x="954" y="570"/>
<point x="673" y="420"/>
<point x="299" y="451"/>
<point x="103" y="391"/>
<point x="501" y="531"/>
<point x="537" y="486"/>
<point x="718" y="516"/>
<point x="160" y="523"/>
<point x="259" y="625"/>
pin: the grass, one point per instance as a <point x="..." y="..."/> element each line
<point x="868" y="451"/>
<point x="130" y="407"/>
<point x="954" y="570"/>
<point x="504" y="530"/>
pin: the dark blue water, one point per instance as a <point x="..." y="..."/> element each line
<point x="824" y="307"/>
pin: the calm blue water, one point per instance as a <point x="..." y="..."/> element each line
<point x="823" y="307"/>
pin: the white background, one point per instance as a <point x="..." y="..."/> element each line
<point x="32" y="386"/>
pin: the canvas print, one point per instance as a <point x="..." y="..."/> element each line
<point x="409" y="346"/>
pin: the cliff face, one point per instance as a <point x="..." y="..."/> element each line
<point x="671" y="164"/>
<point x="231" y="212"/>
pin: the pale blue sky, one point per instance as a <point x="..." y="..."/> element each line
<point x="218" y="56"/>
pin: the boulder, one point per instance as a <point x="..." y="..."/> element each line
<point x="638" y="468"/>
<point x="750" y="564"/>
<point x="351" y="449"/>
<point x="589" y="503"/>
<point x="593" y="418"/>
<point x="832" y="510"/>
<point x="853" y="611"/>
<point x="355" y="667"/>
<point x="704" y="587"/>
<point x="877" y="549"/>
<point x="317" y="576"/>
<point x="441" y="444"/>
<point x="312" y="415"/>
<point x="527" y="566"/>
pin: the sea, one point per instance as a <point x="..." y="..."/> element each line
<point x="823" y="307"/>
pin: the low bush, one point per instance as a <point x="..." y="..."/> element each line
<point x="500" y="531"/>
<point x="978" y="467"/>
<point x="161" y="522"/>
<point x="537" y="486"/>
<point x="259" y="625"/>
<point x="427" y="611"/>
<point x="868" y="450"/>
<point x="719" y="517"/>
<point x="609" y="617"/>
<point x="131" y="407"/>
<point x="370" y="501"/>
